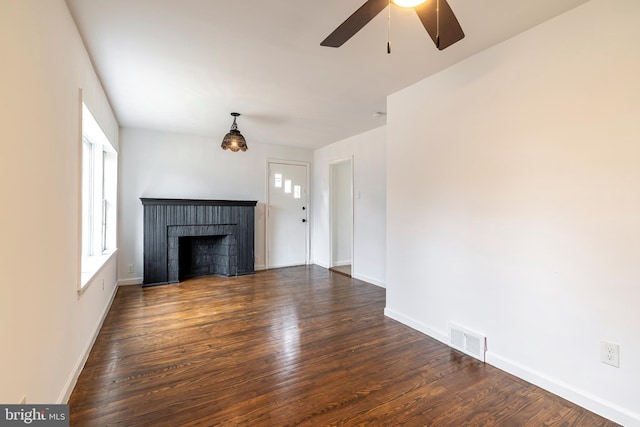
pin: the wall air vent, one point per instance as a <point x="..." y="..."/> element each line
<point x="467" y="341"/>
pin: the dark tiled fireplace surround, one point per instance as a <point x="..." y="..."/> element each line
<point x="186" y="238"/>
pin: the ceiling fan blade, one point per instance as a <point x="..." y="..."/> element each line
<point x="355" y="22"/>
<point x="450" y="30"/>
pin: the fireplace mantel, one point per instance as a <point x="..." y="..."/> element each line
<point x="196" y="202"/>
<point x="220" y="217"/>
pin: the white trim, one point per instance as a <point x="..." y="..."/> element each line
<point x="95" y="266"/>
<point x="341" y="263"/>
<point x="260" y="267"/>
<point x="130" y="282"/>
<point x="91" y="128"/>
<point x="418" y="326"/>
<point x="566" y="391"/>
<point x="319" y="264"/>
<point x="308" y="199"/>
<point x="370" y="280"/>
<point x="79" y="286"/>
<point x="64" y="396"/>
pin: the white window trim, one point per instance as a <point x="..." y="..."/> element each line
<point x="90" y="266"/>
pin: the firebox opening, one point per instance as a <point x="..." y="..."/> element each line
<point x="205" y="256"/>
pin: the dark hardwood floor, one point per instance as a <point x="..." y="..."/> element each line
<point x="294" y="346"/>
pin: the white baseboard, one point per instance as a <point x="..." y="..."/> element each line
<point x="358" y="276"/>
<point x="371" y="280"/>
<point x="418" y="326"/>
<point x="129" y="282"/>
<point x="260" y="267"/>
<point x="341" y="263"/>
<point x="566" y="391"/>
<point x="75" y="373"/>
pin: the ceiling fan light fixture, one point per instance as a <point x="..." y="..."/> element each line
<point x="436" y="17"/>
<point x="409" y="3"/>
<point x="234" y="140"/>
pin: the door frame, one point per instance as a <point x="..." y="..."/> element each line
<point x="332" y="165"/>
<point x="267" y="240"/>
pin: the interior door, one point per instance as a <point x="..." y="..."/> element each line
<point x="287" y="215"/>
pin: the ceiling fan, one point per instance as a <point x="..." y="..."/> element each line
<point x="436" y="16"/>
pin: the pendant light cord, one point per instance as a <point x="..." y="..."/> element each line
<point x="438" y="24"/>
<point x="389" y="30"/>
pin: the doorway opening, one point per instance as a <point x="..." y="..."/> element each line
<point x="341" y="216"/>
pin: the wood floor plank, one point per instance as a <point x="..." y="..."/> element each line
<point x="285" y="347"/>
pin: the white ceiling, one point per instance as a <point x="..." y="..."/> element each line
<point x="184" y="65"/>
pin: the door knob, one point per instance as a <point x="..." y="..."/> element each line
<point x="304" y="220"/>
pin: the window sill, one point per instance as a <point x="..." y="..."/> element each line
<point x="91" y="266"/>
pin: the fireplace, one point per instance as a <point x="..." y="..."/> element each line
<point x="206" y="255"/>
<point x="187" y="238"/>
<point x="201" y="250"/>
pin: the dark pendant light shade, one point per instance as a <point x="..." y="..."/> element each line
<point x="234" y="140"/>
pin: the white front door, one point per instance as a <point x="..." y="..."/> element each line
<point x="287" y="215"/>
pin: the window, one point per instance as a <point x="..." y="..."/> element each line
<point x="278" y="180"/>
<point x="99" y="189"/>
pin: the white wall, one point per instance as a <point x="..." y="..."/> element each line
<point x="342" y="213"/>
<point x="168" y="165"/>
<point x="516" y="211"/>
<point x="369" y="179"/>
<point x="46" y="328"/>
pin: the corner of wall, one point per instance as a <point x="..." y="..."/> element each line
<point x="82" y="359"/>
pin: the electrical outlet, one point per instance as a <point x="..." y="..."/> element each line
<point x="130" y="268"/>
<point x="610" y="353"/>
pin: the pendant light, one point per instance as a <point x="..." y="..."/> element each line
<point x="234" y="140"/>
